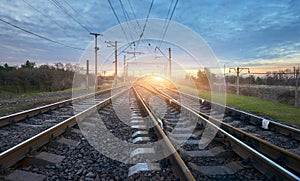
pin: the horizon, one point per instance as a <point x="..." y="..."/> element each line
<point x="269" y="41"/>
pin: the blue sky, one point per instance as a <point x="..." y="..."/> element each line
<point x="245" y="33"/>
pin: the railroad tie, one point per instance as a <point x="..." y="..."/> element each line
<point x="69" y="142"/>
<point x="142" y="167"/>
<point x="227" y="169"/>
<point x="24" y="176"/>
<point x="44" y="158"/>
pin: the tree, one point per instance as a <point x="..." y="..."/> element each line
<point x="259" y="81"/>
<point x="202" y="78"/>
<point x="6" y="67"/>
<point x="28" y="64"/>
<point x="59" y="66"/>
<point x="42" y="78"/>
<point x="205" y="76"/>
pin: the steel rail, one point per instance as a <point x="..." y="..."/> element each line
<point x="279" y="155"/>
<point x="262" y="163"/>
<point x="256" y="120"/>
<point x="181" y="170"/>
<point x="13" y="118"/>
<point x="11" y="156"/>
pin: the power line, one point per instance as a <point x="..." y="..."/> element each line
<point x="124" y="11"/>
<point x="167" y="17"/>
<point x="142" y="33"/>
<point x="70" y="15"/>
<point x="168" y="23"/>
<point x="90" y="24"/>
<point x="284" y="73"/>
<point x="112" y="8"/>
<point x="118" y="53"/>
<point x="48" y="17"/>
<point x="126" y="15"/>
<point x="60" y="6"/>
<point x="40" y="36"/>
<point x="134" y="15"/>
<point x="77" y="12"/>
<point x="138" y="24"/>
<point x="127" y="18"/>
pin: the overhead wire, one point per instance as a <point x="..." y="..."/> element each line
<point x="48" y="17"/>
<point x="134" y="15"/>
<point x="166" y="19"/>
<point x="127" y="18"/>
<point x="147" y="18"/>
<point x="40" y="36"/>
<point x="164" y="34"/>
<point x="138" y="24"/>
<point x="128" y="45"/>
<point x="78" y="13"/>
<point x="60" y="6"/>
<point x="115" y="14"/>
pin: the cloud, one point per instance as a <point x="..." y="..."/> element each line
<point x="288" y="61"/>
<point x="236" y="30"/>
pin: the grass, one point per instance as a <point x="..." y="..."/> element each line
<point x="11" y="102"/>
<point x="265" y="108"/>
<point x="31" y="100"/>
<point x="9" y="109"/>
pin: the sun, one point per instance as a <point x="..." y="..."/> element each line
<point x="158" y="79"/>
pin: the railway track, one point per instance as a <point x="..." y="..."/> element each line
<point x="226" y="157"/>
<point x="277" y="141"/>
<point x="130" y="135"/>
<point x="63" y="152"/>
<point x="45" y="124"/>
<point x="13" y="118"/>
<point x="18" y="127"/>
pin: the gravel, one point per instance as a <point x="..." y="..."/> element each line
<point x="13" y="134"/>
<point x="85" y="163"/>
<point x="81" y="163"/>
<point x="275" y="138"/>
<point x="245" y="174"/>
<point x="116" y="127"/>
<point x="228" y="156"/>
<point x="211" y="145"/>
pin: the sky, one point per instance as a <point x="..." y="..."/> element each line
<point x="260" y="34"/>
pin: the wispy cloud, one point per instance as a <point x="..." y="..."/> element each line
<point x="238" y="31"/>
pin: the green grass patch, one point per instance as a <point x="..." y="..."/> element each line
<point x="281" y="112"/>
<point x="105" y="86"/>
<point x="9" y="109"/>
<point x="11" y="102"/>
<point x="21" y="106"/>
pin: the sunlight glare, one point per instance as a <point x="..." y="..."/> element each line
<point x="158" y="79"/>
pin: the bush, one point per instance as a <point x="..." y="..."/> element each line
<point x="28" y="77"/>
